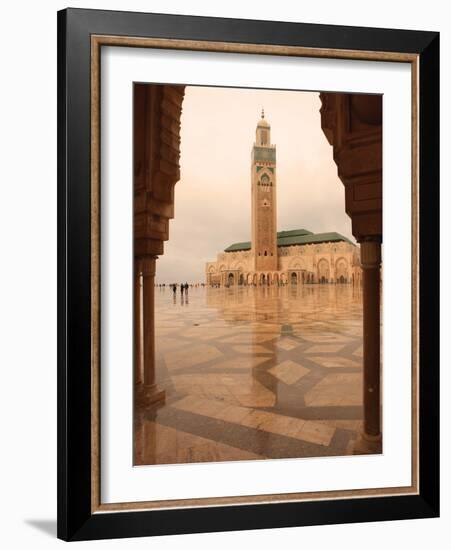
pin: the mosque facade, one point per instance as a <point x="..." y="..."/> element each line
<point x="295" y="256"/>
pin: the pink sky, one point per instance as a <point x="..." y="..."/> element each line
<point x="212" y="198"/>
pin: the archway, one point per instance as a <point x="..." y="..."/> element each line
<point x="211" y="276"/>
<point x="341" y="271"/>
<point x="294" y="278"/>
<point x="241" y="279"/>
<point x="345" y="119"/>
<point x="231" y="279"/>
<point x="323" y="271"/>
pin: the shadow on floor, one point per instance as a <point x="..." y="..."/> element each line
<point x="47" y="526"/>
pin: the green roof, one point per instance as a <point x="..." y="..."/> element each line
<point x="238" y="246"/>
<point x="293" y="233"/>
<point x="293" y="237"/>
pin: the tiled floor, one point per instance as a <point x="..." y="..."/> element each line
<point x="254" y="373"/>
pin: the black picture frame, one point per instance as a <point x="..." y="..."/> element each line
<point x="75" y="518"/>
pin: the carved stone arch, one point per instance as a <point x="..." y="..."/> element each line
<point x="297" y="263"/>
<point x="341" y="270"/>
<point x="323" y="269"/>
<point x="353" y="126"/>
<point x="265" y="176"/>
<point x="341" y="261"/>
<point x="157" y="111"/>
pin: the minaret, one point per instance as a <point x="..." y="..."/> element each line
<point x="264" y="211"/>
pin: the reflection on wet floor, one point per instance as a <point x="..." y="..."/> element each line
<point x="254" y="373"/>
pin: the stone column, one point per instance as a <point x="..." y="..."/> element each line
<point x="137" y="299"/>
<point x="370" y="251"/>
<point x="149" y="393"/>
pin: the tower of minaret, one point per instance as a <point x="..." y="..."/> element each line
<point x="264" y="206"/>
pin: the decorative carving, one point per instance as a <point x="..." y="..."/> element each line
<point x="370" y="253"/>
<point x="352" y="124"/>
<point x="157" y="112"/>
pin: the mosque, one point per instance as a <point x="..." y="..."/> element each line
<point x="296" y="256"/>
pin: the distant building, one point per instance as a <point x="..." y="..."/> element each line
<point x="297" y="256"/>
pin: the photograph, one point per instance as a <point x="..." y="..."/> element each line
<point x="248" y="321"/>
<point x="248" y="290"/>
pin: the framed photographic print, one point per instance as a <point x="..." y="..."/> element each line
<point x="248" y="274"/>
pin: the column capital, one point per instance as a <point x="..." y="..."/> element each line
<point x="147" y="265"/>
<point x="370" y="252"/>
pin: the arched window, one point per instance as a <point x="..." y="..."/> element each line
<point x="265" y="180"/>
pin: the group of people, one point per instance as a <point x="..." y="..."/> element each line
<point x="183" y="288"/>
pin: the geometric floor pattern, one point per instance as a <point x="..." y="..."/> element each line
<point x="255" y="373"/>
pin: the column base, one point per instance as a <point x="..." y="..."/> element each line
<point x="366" y="444"/>
<point x="148" y="396"/>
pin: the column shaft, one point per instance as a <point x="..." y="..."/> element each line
<point x="149" y="321"/>
<point x="137" y="333"/>
<point x="148" y="392"/>
<point x="371" y="351"/>
<point x="370" y="257"/>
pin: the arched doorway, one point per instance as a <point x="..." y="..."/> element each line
<point x="323" y="271"/>
<point x="231" y="279"/>
<point x="341" y="271"/>
<point x="294" y="279"/>
<point x="241" y="279"/>
<point x="263" y="279"/>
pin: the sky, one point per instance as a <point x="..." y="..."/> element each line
<point x="213" y="196"/>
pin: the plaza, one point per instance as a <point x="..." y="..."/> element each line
<point x="254" y="373"/>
